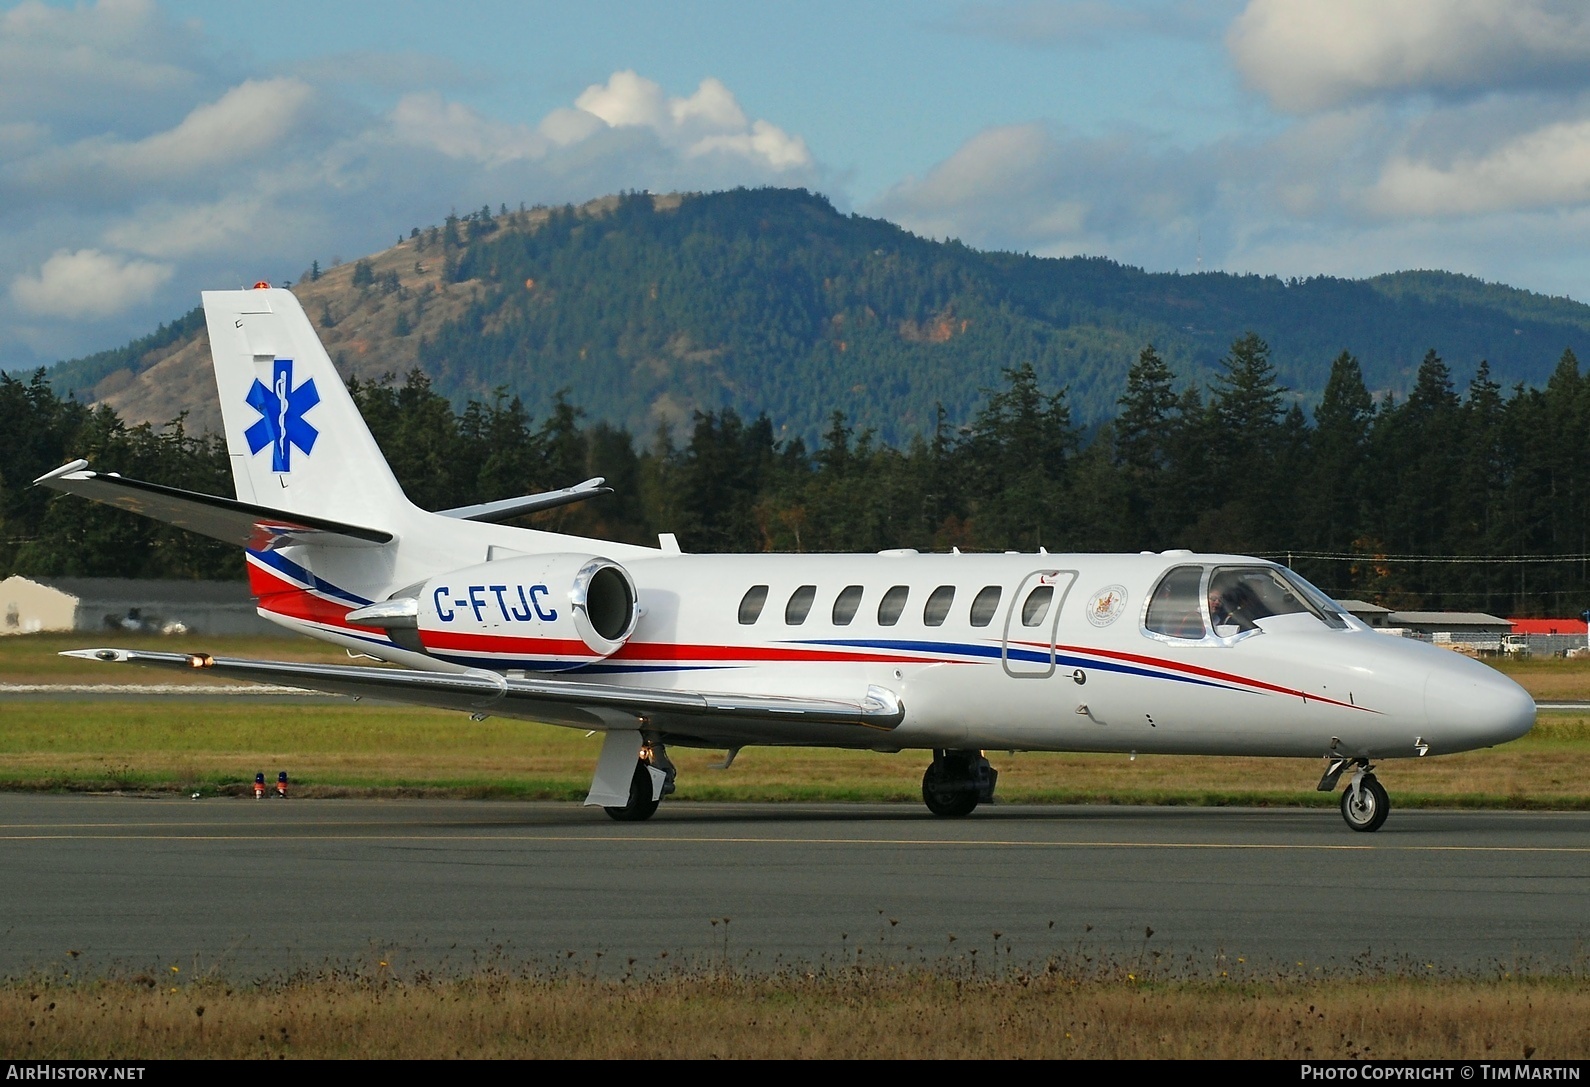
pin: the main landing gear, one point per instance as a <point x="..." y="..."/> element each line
<point x="1365" y="804"/>
<point x="644" y="795"/>
<point x="957" y="782"/>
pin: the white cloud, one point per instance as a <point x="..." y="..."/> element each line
<point x="428" y="120"/>
<point x="106" y="64"/>
<point x="252" y="117"/>
<point x="175" y="231"/>
<point x="708" y="122"/>
<point x="230" y="133"/>
<point x="1549" y="167"/>
<point x="570" y="126"/>
<point x="989" y="164"/>
<point x="88" y="283"/>
<point x="1023" y="187"/>
<point x="766" y="142"/>
<point x="1307" y="55"/>
<point x="626" y="99"/>
<point x="713" y="107"/>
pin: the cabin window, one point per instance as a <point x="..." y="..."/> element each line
<point x="1036" y="605"/>
<point x="800" y="605"/>
<point x="845" y="605"/>
<point x="751" y="604"/>
<point x="984" y="605"/>
<point x="938" y="605"/>
<point x="1174" y="609"/>
<point x="892" y="604"/>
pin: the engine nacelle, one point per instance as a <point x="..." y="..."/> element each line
<point x="541" y="612"/>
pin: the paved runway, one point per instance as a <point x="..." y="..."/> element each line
<point x="250" y="888"/>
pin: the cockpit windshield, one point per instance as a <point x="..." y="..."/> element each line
<point x="1194" y="602"/>
<point x="1240" y="596"/>
<point x="1327" y="609"/>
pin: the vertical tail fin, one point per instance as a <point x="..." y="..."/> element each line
<point x="296" y="441"/>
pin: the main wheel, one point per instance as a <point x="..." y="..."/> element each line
<point x="1371" y="806"/>
<point x="946" y="795"/>
<point x="640" y="806"/>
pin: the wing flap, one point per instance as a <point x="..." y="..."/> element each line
<point x="560" y="701"/>
<point x="259" y="528"/>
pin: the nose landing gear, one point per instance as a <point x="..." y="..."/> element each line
<point x="1365" y="804"/>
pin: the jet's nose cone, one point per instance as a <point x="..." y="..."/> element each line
<point x="1475" y="707"/>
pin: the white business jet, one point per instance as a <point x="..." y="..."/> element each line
<point x="1175" y="652"/>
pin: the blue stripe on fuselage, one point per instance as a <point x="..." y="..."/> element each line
<point x="1030" y="656"/>
<point x="299" y="573"/>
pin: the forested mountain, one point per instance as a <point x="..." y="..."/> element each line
<point x="648" y="309"/>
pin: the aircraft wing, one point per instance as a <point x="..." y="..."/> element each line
<point x="256" y="527"/>
<point x="690" y="718"/>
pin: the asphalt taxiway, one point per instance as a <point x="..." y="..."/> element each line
<point x="250" y="888"/>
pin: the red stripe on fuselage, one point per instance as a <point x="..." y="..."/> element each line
<point x="1207" y="673"/>
<point x="505" y="643"/>
<point x="281" y="597"/>
<point x="635" y="652"/>
<point x="661" y="651"/>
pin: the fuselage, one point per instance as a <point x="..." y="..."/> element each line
<point x="1077" y="652"/>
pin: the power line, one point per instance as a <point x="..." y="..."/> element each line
<point x="1492" y="560"/>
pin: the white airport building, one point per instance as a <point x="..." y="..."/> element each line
<point x="31" y="604"/>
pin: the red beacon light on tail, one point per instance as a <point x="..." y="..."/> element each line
<point x="262" y="286"/>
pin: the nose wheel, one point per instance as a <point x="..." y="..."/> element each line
<point x="1365" y="804"/>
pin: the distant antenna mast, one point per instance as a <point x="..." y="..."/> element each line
<point x="1199" y="259"/>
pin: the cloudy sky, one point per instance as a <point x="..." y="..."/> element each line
<point x="149" y="150"/>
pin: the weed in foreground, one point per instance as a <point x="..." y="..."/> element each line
<point x="1073" y="1005"/>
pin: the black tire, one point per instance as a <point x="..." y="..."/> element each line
<point x="640" y="806"/>
<point x="1372" y="807"/>
<point x="947" y="795"/>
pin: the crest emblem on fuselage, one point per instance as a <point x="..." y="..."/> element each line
<point x="282" y="424"/>
<point x="1105" y="606"/>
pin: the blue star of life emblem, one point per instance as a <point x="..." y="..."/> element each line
<point x="282" y="425"/>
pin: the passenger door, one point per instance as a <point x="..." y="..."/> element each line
<point x="1033" y="617"/>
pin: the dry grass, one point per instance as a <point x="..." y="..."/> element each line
<point x="945" y="1012"/>
<point x="1549" y="678"/>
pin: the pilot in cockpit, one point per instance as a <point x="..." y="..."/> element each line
<point x="1231" y="606"/>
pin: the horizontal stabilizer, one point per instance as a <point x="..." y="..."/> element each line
<point x="582" y="703"/>
<point x="517" y="507"/>
<point x="256" y="527"/>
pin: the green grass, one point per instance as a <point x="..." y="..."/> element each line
<point x="342" y="748"/>
<point x="36" y="658"/>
